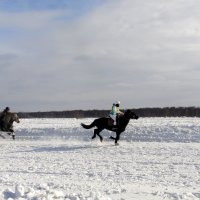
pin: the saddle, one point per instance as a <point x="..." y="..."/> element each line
<point x="111" y="123"/>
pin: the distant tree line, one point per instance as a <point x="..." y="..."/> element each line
<point x="141" y="112"/>
<point x="64" y="114"/>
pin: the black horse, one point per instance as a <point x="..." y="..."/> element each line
<point x="8" y="124"/>
<point x="105" y="123"/>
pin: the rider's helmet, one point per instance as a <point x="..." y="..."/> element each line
<point x="117" y="103"/>
<point x="7" y="109"/>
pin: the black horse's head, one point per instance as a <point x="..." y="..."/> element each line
<point x="130" y="115"/>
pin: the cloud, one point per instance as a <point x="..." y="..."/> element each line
<point x="144" y="53"/>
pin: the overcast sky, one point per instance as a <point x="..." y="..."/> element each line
<point x="86" y="54"/>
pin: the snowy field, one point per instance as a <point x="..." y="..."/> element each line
<point x="158" y="158"/>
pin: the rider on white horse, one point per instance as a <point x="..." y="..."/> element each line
<point x="115" y="112"/>
<point x="2" y="118"/>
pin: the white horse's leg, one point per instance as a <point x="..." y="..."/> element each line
<point x="13" y="135"/>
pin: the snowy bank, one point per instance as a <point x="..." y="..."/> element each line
<point x="54" y="159"/>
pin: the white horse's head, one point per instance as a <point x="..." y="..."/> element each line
<point x="15" y="118"/>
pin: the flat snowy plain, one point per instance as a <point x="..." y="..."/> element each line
<point x="158" y="158"/>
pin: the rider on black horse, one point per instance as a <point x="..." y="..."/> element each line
<point x="107" y="123"/>
<point x="115" y="113"/>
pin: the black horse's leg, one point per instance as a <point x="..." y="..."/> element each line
<point x="101" y="138"/>
<point x="113" y="138"/>
<point x="96" y="132"/>
<point x="117" y="138"/>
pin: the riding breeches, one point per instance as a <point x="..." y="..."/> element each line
<point x="113" y="117"/>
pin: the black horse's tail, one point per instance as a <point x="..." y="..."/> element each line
<point x="88" y="126"/>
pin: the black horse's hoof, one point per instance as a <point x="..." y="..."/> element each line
<point x="116" y="144"/>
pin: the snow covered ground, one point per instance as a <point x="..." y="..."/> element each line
<point x="158" y="158"/>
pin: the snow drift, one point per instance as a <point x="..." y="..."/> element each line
<point x="55" y="159"/>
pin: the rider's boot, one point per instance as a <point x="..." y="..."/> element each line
<point x="114" y="124"/>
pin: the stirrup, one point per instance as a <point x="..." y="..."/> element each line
<point x="115" y="127"/>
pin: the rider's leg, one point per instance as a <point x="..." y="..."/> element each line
<point x="117" y="119"/>
<point x="113" y="117"/>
